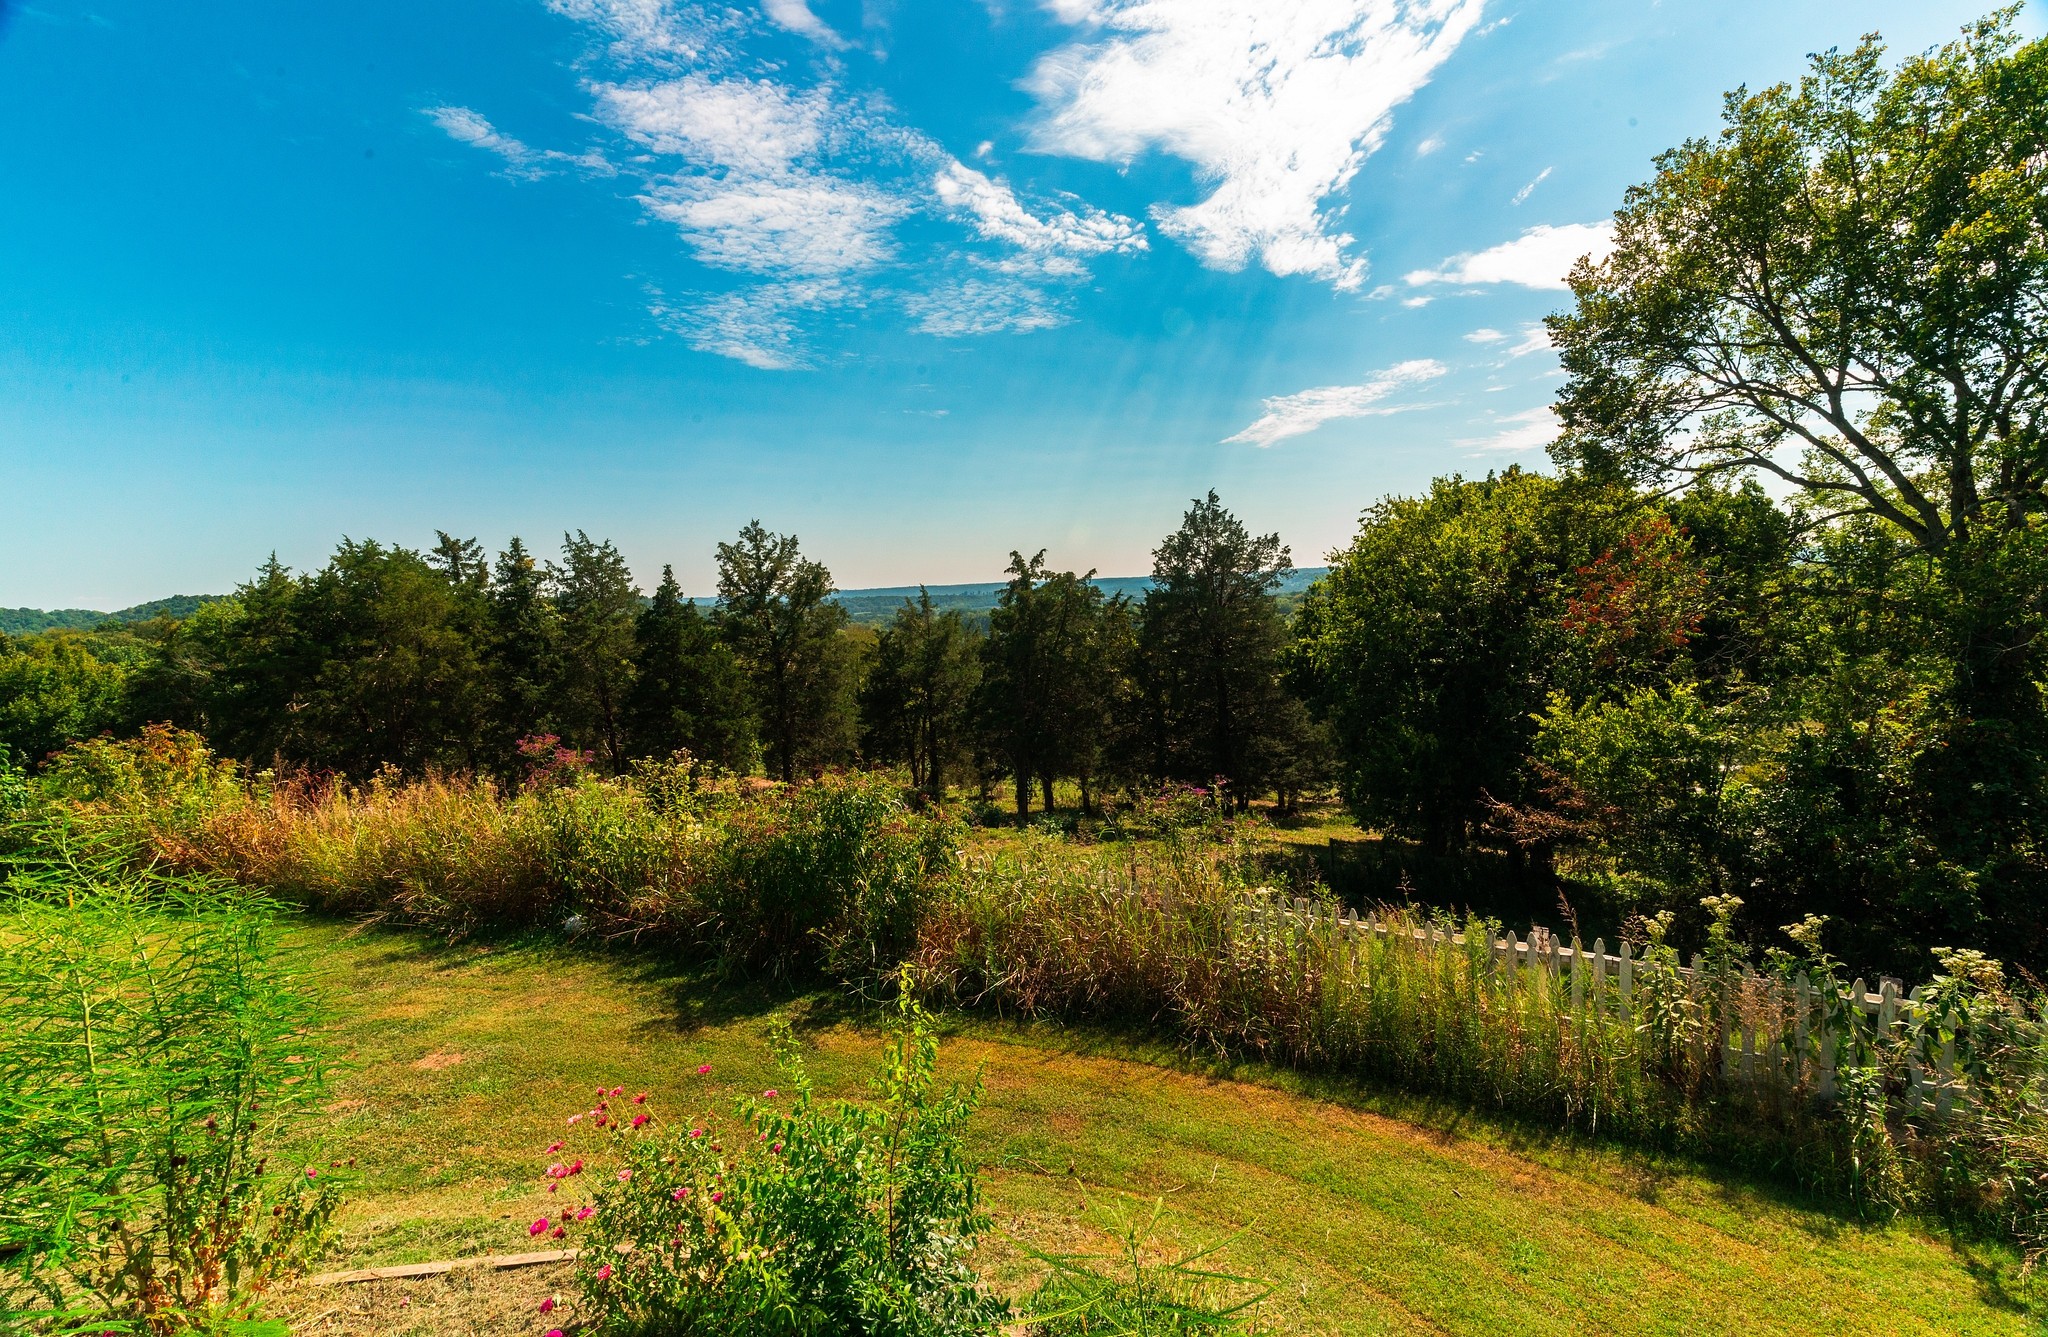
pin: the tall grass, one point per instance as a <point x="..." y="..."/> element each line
<point x="832" y="875"/>
<point x="1193" y="941"/>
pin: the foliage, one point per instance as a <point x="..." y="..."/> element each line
<point x="774" y="613"/>
<point x="793" y="1219"/>
<point x="830" y="875"/>
<point x="917" y="704"/>
<point x="1211" y="704"/>
<point x="1047" y="683"/>
<point x="688" y="694"/>
<point x="1435" y="637"/>
<point x="595" y="601"/>
<point x="53" y="689"/>
<point x="155" y="1046"/>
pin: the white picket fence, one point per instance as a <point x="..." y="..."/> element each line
<point x="1798" y="1047"/>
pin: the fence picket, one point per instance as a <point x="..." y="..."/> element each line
<point x="1627" y="983"/>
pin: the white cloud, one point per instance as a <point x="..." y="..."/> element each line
<point x="1429" y="146"/>
<point x="1530" y="189"/>
<point x="522" y="163"/>
<point x="798" y="224"/>
<point x="970" y="306"/>
<point x="652" y="30"/>
<point x="1062" y="234"/>
<point x="757" y="326"/>
<point x="741" y="125"/>
<point x="1539" y="258"/>
<point x="796" y="16"/>
<point x="782" y="175"/>
<point x="1277" y="104"/>
<point x="1484" y="336"/>
<point x="1291" y="415"/>
<point x="1535" y="339"/>
<point x="1522" y="432"/>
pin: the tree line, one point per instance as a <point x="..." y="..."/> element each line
<point x="450" y="659"/>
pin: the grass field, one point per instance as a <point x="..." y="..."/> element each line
<point x="464" y="1060"/>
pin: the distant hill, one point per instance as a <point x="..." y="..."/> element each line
<point x="27" y="621"/>
<point x="877" y="606"/>
<point x="871" y="607"/>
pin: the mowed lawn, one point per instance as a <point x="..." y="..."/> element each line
<point x="464" y="1060"/>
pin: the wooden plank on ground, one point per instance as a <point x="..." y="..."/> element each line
<point x="404" y="1271"/>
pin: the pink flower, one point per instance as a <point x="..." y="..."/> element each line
<point x="640" y="1099"/>
<point x="718" y="1197"/>
<point x="557" y="1232"/>
<point x="777" y="1148"/>
<point x="539" y="1227"/>
<point x="586" y="1213"/>
<point x="557" y="1170"/>
<point x="605" y="1273"/>
<point x="703" y="1069"/>
<point x="554" y="1147"/>
<point x="554" y="1332"/>
<point x="696" y="1132"/>
<point x="770" y="1093"/>
<point x="680" y="1194"/>
<point x="618" y="1090"/>
<point x="547" y="1306"/>
<point x="639" y="1119"/>
<point x="576" y="1166"/>
<point x="554" y="1188"/>
<point x="312" y="1174"/>
<point x="575" y="1119"/>
<point x="600" y="1093"/>
<point x="625" y="1175"/>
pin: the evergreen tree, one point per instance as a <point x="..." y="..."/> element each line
<point x="688" y="691"/>
<point x="1047" y="678"/>
<point x="597" y="601"/>
<point x="776" y="613"/>
<point x="918" y="701"/>
<point x="1212" y="643"/>
<point x="522" y="647"/>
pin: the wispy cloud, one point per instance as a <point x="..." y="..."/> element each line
<point x="1292" y="415"/>
<point x="1530" y="430"/>
<point x="796" y="16"/>
<point x="522" y="163"/>
<point x="1277" y="104"/>
<point x="787" y="178"/>
<point x="1539" y="258"/>
<point x="1530" y="189"/>
<point x="1485" y="336"/>
<point x="1535" y="339"/>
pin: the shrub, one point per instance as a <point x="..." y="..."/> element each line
<point x="832" y="875"/>
<point x="153" y="1046"/>
<point x="793" y="1219"/>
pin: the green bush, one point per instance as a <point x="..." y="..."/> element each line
<point x="153" y="1046"/>
<point x="795" y="1219"/>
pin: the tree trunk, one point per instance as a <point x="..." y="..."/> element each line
<point x="1045" y="787"/>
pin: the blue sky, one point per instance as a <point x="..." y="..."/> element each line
<point x="921" y="282"/>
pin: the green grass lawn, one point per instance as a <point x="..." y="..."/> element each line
<point x="464" y="1061"/>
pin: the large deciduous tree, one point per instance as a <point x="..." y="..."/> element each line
<point x="1847" y="289"/>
